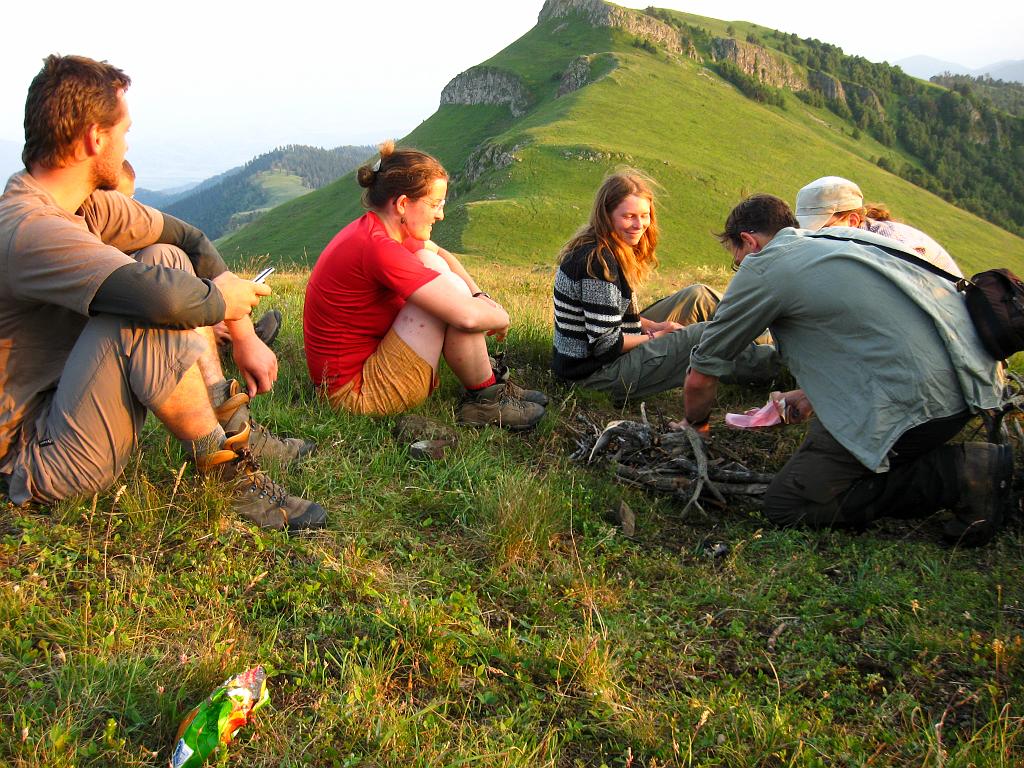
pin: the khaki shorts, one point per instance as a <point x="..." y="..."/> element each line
<point x="393" y="379"/>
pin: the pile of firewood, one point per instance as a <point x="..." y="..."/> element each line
<point x="677" y="463"/>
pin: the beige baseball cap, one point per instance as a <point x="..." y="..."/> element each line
<point x="819" y="200"/>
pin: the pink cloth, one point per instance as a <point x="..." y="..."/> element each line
<point x="768" y="415"/>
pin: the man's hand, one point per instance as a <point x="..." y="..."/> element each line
<point x="798" y="407"/>
<point x="703" y="429"/>
<point x="240" y="295"/>
<point x="699" y="396"/>
<point x="255" y="361"/>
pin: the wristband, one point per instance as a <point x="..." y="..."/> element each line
<point x="482" y="293"/>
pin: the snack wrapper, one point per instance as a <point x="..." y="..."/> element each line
<point x="221" y="714"/>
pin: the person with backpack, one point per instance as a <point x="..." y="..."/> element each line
<point x="886" y="354"/>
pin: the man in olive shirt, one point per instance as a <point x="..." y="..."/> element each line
<point x="885" y="355"/>
<point x="91" y="338"/>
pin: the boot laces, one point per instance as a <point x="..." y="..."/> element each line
<point x="259" y="481"/>
<point x="514" y="390"/>
<point x="511" y="397"/>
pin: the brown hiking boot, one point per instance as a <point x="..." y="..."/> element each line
<point x="529" y="395"/>
<point x="494" y="405"/>
<point x="501" y="374"/>
<point x="986" y="472"/>
<point x="233" y="415"/>
<point x="257" y="498"/>
<point x="268" y="326"/>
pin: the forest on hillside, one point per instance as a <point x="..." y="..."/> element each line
<point x="1005" y="95"/>
<point x="212" y="207"/>
<point x="963" y="144"/>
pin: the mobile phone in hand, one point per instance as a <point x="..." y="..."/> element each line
<point x="262" y="276"/>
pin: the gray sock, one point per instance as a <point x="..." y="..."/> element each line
<point x="205" y="445"/>
<point x="219" y="392"/>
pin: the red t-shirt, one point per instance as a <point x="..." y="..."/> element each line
<point x="357" y="288"/>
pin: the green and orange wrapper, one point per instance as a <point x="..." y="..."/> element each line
<point x="221" y="714"/>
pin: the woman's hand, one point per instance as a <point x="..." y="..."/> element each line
<point x="660" y="329"/>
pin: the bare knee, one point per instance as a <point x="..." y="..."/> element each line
<point x="433" y="261"/>
<point x="438" y="264"/>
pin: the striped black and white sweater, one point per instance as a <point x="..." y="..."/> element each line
<point x="591" y="315"/>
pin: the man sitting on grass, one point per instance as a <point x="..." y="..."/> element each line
<point x="889" y="361"/>
<point x="91" y="338"/>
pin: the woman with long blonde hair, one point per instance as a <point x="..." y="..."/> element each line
<point x="601" y="340"/>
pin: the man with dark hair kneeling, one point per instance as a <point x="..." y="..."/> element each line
<point x="92" y="338"/>
<point x="888" y="358"/>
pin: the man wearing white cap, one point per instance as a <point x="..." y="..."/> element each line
<point x="833" y="201"/>
<point x="889" y="362"/>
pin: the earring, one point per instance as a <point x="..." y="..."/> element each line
<point x="402" y="219"/>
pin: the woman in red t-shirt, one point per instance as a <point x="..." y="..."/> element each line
<point x="384" y="303"/>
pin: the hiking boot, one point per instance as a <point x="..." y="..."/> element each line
<point x="529" y="395"/>
<point x="494" y="405"/>
<point x="986" y="472"/>
<point x="233" y="415"/>
<point x="257" y="498"/>
<point x="268" y="326"/>
<point x="501" y="373"/>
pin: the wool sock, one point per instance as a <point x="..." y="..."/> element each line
<point x="219" y="392"/>
<point x="206" y="444"/>
<point x="490" y="381"/>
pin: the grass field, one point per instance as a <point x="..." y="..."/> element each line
<point x="482" y="610"/>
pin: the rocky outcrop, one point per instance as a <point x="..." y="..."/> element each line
<point x="488" y="85"/>
<point x="576" y="75"/>
<point x="830" y="87"/>
<point x="865" y="96"/>
<point x="488" y="157"/>
<point x="601" y="14"/>
<point x="758" y="62"/>
<point x="843" y="92"/>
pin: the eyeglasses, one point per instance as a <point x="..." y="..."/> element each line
<point x="437" y="206"/>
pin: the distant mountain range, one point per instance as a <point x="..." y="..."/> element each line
<point x="926" y="67"/>
<point x="241" y="195"/>
<point x="712" y="110"/>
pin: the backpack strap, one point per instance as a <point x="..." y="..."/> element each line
<point x="961" y="283"/>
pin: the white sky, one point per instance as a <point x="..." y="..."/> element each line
<point x="215" y="83"/>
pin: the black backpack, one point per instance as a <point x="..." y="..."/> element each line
<point x="994" y="298"/>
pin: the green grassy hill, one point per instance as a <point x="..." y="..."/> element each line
<point x="703" y="141"/>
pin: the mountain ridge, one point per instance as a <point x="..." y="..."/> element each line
<point x="521" y="183"/>
<point x="242" y="194"/>
<point x="927" y="67"/>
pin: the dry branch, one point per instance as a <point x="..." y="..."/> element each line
<point x="675" y="463"/>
